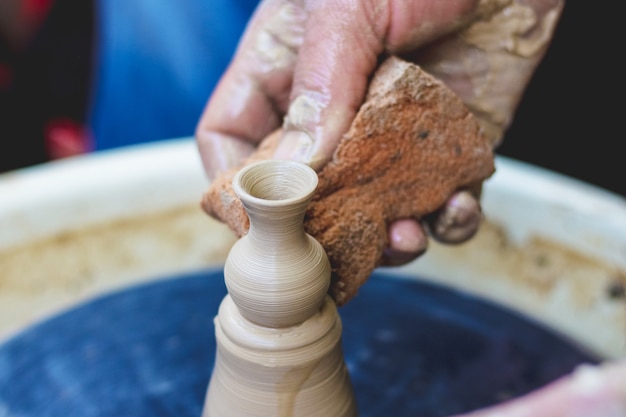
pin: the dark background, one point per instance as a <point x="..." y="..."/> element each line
<point x="571" y="117"/>
<point x="569" y="120"/>
<point x="46" y="82"/>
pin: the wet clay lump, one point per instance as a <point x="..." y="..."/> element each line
<point x="411" y="145"/>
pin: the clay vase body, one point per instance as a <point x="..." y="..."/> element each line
<point x="278" y="333"/>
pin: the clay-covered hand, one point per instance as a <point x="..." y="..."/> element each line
<point x="305" y="65"/>
<point x="598" y="391"/>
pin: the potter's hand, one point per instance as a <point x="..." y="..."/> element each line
<point x="598" y="391"/>
<point x="305" y="65"/>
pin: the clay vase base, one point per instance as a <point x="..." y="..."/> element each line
<point x="290" y="372"/>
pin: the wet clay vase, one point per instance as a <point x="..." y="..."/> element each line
<point x="278" y="333"/>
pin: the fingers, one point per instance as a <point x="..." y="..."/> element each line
<point x="458" y="220"/>
<point x="343" y="42"/>
<point x="252" y="96"/>
<point x="220" y="152"/>
<point x="339" y="52"/>
<point x="407" y="241"/>
<point x="311" y="60"/>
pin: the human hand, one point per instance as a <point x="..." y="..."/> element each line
<point x="306" y="65"/>
<point x="598" y="391"/>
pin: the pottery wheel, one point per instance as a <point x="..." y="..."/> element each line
<point x="412" y="349"/>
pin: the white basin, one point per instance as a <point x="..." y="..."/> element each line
<point x="552" y="248"/>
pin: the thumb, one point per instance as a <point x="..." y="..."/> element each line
<point x="339" y="52"/>
<point x="343" y="42"/>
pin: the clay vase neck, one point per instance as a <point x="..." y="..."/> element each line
<point x="277" y="274"/>
<point x="275" y="200"/>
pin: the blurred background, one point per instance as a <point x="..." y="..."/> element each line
<point x="79" y="76"/>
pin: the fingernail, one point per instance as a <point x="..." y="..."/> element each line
<point x="406" y="236"/>
<point x="458" y="221"/>
<point x="407" y="241"/>
<point x="296" y="146"/>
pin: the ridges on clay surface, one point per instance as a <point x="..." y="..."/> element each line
<point x="278" y="332"/>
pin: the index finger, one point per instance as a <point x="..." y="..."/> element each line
<point x="251" y="97"/>
<point x="343" y="44"/>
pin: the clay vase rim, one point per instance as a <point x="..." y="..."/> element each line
<point x="296" y="173"/>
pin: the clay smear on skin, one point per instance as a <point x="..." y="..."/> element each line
<point x="276" y="45"/>
<point x="512" y="41"/>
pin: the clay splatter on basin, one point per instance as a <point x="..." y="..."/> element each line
<point x="412" y="349"/>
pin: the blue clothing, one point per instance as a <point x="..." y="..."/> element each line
<point x="157" y="62"/>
